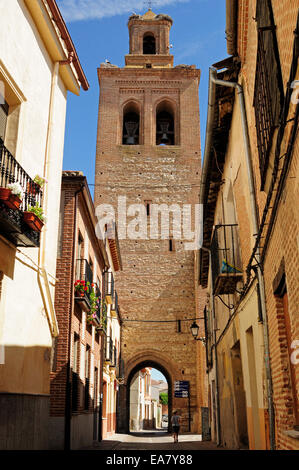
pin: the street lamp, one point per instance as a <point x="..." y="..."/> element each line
<point x="194" y="330"/>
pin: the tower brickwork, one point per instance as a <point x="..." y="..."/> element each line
<point x="148" y="150"/>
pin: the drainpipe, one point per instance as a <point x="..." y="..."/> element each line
<point x="54" y="84"/>
<point x="218" y="422"/>
<point x="42" y="248"/>
<point x="261" y="286"/>
<point x="42" y="272"/>
<point x="42" y="251"/>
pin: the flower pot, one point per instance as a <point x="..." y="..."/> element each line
<point x="34" y="222"/>
<point x="92" y="321"/>
<point x="33" y="188"/>
<point x="13" y="201"/>
<point x="4" y="193"/>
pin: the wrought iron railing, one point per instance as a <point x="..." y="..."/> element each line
<point x="109" y="349"/>
<point x="12" y="172"/>
<point x="114" y="357"/>
<point x="83" y="270"/>
<point x="109" y="285"/>
<point x="12" y="224"/>
<point x="115" y="302"/>
<point x="102" y="309"/>
<point x="226" y="259"/>
<point x="84" y="273"/>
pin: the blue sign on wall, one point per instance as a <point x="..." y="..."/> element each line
<point x="181" y="389"/>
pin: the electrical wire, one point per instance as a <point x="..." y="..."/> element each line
<point x="163" y="321"/>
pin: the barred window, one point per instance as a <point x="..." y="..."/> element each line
<point x="268" y="93"/>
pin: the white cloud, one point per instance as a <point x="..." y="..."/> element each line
<point x="78" y="10"/>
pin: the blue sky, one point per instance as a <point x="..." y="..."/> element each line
<point x="157" y="375"/>
<point x="99" y="31"/>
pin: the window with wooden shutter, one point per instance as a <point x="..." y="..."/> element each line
<point x="268" y="92"/>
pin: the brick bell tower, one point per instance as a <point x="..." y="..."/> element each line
<point x="148" y="150"/>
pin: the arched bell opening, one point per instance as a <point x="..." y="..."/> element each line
<point x="165" y="127"/>
<point x="131" y="124"/>
<point x="149" y="44"/>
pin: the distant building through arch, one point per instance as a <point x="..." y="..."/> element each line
<point x="141" y="366"/>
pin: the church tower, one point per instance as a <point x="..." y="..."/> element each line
<point x="148" y="153"/>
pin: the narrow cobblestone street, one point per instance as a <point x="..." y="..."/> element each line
<point x="159" y="440"/>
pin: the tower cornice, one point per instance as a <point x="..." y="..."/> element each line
<point x="156" y="74"/>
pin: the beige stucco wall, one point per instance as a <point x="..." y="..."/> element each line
<point x="233" y="207"/>
<point x="24" y="326"/>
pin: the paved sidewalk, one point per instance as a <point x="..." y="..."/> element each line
<point x="154" y="441"/>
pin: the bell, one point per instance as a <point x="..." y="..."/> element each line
<point x="131" y="128"/>
<point x="130" y="140"/>
<point x="164" y="139"/>
<point x="164" y="125"/>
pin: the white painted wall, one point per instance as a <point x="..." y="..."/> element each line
<point x="24" y="329"/>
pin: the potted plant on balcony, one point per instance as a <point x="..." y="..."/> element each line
<point x="91" y="319"/>
<point x="15" y="196"/>
<point x="34" y="217"/>
<point x="81" y="288"/>
<point x="94" y="307"/>
<point x="35" y="186"/>
<point x="103" y="322"/>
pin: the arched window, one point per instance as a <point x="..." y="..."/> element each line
<point x="149" y="44"/>
<point x="165" y="124"/>
<point x="131" y="124"/>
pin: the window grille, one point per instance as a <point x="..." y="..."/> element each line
<point x="263" y="110"/>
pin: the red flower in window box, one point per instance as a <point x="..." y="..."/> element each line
<point x="81" y="288"/>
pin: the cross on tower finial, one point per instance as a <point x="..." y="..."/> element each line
<point x="149" y="3"/>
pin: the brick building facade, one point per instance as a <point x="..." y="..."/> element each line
<point x="83" y="315"/>
<point x="148" y="151"/>
<point x="251" y="227"/>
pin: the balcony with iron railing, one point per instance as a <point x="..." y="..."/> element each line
<point x="13" y="211"/>
<point x="115" y="307"/>
<point x="109" y="350"/>
<point x="113" y="357"/>
<point x="101" y="312"/>
<point x="226" y="259"/>
<point x="83" y="289"/>
<point x="110" y="353"/>
<point x="109" y="287"/>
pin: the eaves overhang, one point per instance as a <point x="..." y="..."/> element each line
<point x="57" y="40"/>
<point x="214" y="158"/>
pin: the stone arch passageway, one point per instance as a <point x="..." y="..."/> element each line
<point x="140" y="361"/>
<point x="132" y="375"/>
